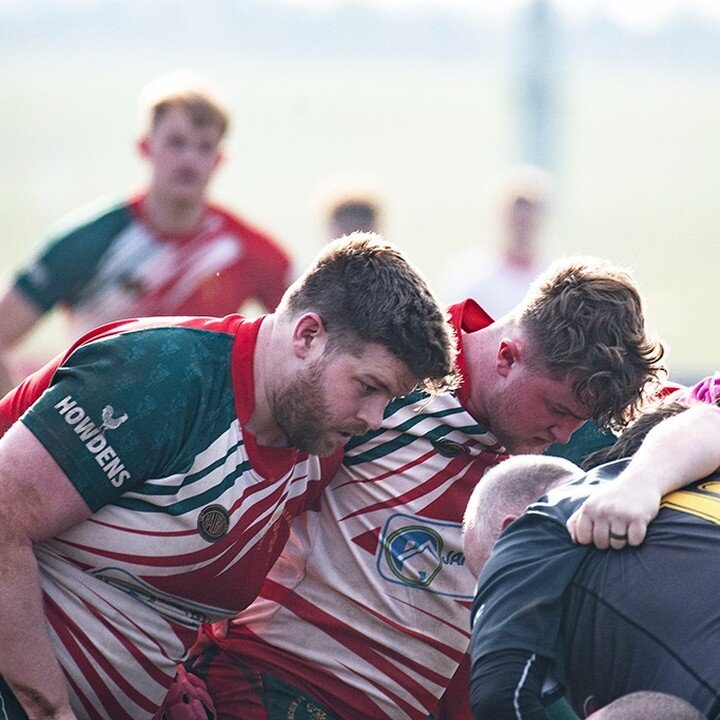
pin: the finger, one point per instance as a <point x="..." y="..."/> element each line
<point x="618" y="536"/>
<point x="197" y="649"/>
<point x="570" y="525"/>
<point x="220" y="629"/>
<point x="637" y="530"/>
<point x="582" y="527"/>
<point x="601" y="534"/>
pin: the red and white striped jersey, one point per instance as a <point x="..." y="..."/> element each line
<point x="146" y="420"/>
<point x="368" y="607"/>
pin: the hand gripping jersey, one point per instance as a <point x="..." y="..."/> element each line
<point x="117" y="266"/>
<point x="146" y="420"/>
<point x="368" y="607"/>
<point x="611" y="622"/>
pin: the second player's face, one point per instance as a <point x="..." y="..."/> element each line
<point x="534" y="411"/>
<point x="338" y="396"/>
<point x="183" y="156"/>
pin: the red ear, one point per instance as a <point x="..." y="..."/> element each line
<point x="143" y="147"/>
<point x="219" y="159"/>
<point x="507" y="355"/>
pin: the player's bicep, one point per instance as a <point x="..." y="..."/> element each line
<point x="36" y="497"/>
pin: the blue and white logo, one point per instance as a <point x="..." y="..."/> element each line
<point x="424" y="554"/>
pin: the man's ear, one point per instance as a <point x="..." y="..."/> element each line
<point x="219" y="159"/>
<point x="143" y="146"/>
<point x="506" y="521"/>
<point x="508" y="354"/>
<point x="309" y="336"/>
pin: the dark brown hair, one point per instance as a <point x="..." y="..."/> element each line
<point x="632" y="437"/>
<point x="366" y="291"/>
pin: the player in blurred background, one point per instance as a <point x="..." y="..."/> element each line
<point x="352" y="209"/>
<point x="165" y="251"/>
<point x="498" y="277"/>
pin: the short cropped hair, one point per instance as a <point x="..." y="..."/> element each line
<point x="526" y="185"/>
<point x="366" y="291"/>
<point x="515" y="483"/>
<point x="188" y="91"/>
<point x="585" y="320"/>
<point x="507" y="489"/>
<point x="649" y="705"/>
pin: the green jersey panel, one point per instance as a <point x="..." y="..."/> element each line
<point x="170" y="393"/>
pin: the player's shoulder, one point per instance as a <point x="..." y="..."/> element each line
<point x="242" y="227"/>
<point x="187" y="339"/>
<point x="561" y="502"/>
<point x="105" y="213"/>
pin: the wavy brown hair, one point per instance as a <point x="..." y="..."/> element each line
<point x="585" y="319"/>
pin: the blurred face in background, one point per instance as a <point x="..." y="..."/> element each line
<point x="182" y="155"/>
<point x="524" y="218"/>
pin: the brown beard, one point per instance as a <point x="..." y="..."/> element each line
<point x="300" y="409"/>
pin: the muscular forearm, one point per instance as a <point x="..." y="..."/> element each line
<point x="679" y="450"/>
<point x="37" y="502"/>
<point x="28" y="662"/>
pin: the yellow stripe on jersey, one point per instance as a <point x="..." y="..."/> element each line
<point x="698" y="502"/>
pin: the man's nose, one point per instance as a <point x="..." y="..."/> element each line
<point x="562" y="431"/>
<point x="372" y="412"/>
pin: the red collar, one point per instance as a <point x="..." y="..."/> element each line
<point x="466" y="316"/>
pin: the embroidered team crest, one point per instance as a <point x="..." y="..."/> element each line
<point x="109" y="422"/>
<point x="448" y="448"/>
<point x="213" y="523"/>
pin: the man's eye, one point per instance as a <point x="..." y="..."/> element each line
<point x="366" y="388"/>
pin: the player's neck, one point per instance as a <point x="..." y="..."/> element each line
<point x="519" y="258"/>
<point x="172" y="216"/>
<point x="477" y="361"/>
<point x="262" y="422"/>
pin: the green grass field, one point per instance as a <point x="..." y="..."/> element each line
<point x="639" y="163"/>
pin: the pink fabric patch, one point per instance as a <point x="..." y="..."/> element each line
<point x="707" y="390"/>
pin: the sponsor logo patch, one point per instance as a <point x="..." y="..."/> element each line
<point x="425" y="554"/>
<point x="93" y="436"/>
<point x="109" y="422"/>
<point x="213" y="523"/>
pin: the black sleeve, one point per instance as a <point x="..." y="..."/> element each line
<point x="519" y="600"/>
<point x="506" y="685"/>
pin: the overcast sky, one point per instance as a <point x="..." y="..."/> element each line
<point x="641" y="16"/>
<point x="634" y="15"/>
